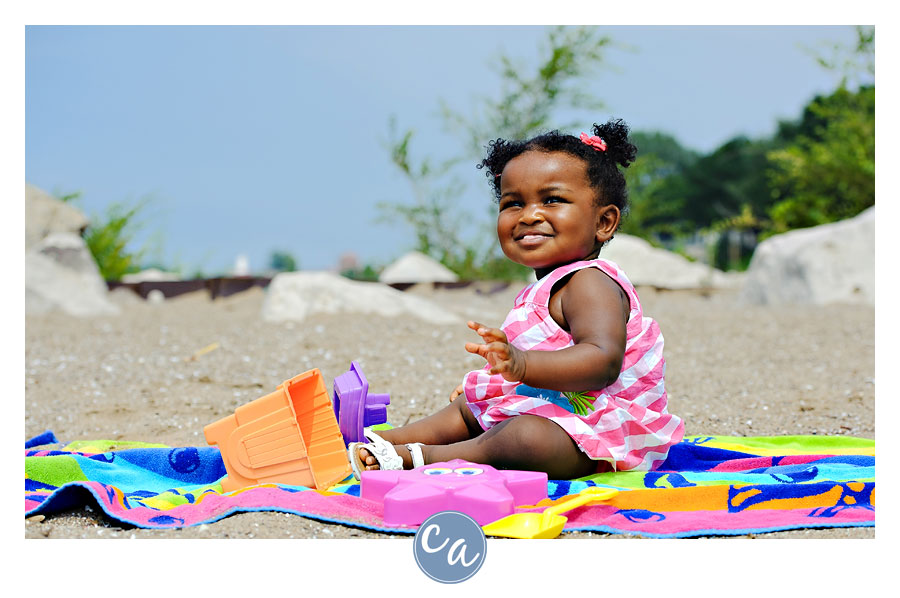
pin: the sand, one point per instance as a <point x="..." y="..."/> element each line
<point x="731" y="370"/>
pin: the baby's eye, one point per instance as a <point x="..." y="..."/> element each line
<point x="512" y="203"/>
<point x="554" y="199"/>
<point x="437" y="471"/>
<point x="468" y="470"/>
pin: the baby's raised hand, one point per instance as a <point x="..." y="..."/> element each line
<point x="456" y="392"/>
<point x="503" y="358"/>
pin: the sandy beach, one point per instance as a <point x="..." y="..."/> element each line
<point x="731" y="370"/>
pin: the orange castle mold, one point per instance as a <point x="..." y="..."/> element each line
<point x="290" y="436"/>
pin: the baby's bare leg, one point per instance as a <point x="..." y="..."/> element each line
<point x="454" y="423"/>
<point x="524" y="442"/>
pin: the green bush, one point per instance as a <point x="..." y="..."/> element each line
<point x="108" y="236"/>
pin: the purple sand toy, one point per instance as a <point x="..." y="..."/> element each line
<point x="354" y="407"/>
<point x="480" y="491"/>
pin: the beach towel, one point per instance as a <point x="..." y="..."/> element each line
<point x="708" y="485"/>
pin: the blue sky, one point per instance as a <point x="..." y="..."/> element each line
<point x="247" y="140"/>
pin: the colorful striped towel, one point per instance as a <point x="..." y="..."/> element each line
<point x="709" y="485"/>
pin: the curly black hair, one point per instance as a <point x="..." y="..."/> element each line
<point x="602" y="166"/>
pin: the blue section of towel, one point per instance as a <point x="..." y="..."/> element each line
<point x="46" y="437"/>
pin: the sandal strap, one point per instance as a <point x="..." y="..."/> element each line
<point x="415" y="453"/>
<point x="383" y="451"/>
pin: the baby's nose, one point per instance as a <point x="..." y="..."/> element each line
<point x="532" y="214"/>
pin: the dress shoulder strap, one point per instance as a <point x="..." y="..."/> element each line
<point x="540" y="291"/>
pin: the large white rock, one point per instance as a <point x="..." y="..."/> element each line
<point x="60" y="274"/>
<point x="44" y="214"/>
<point x="417" y="267"/>
<point x="646" y="265"/>
<point x="831" y="263"/>
<point x="297" y="295"/>
<point x="151" y="275"/>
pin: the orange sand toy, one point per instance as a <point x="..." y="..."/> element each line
<point x="290" y="436"/>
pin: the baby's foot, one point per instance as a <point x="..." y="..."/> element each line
<point x="369" y="462"/>
<point x="377" y="454"/>
<point x="368" y="459"/>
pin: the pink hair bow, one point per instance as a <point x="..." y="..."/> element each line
<point x="595" y="142"/>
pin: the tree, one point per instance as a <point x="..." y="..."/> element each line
<point x="656" y="187"/>
<point x="672" y="155"/>
<point x="282" y="261"/>
<point x="529" y="104"/>
<point x="828" y="172"/>
<point x="722" y="184"/>
<point x="815" y="169"/>
<point x="675" y="192"/>
<point x="525" y="105"/>
<point x="855" y="63"/>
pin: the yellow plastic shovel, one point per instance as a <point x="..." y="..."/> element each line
<point x="549" y="524"/>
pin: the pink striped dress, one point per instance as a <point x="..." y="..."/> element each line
<point x="625" y="424"/>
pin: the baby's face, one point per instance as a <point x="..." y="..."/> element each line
<point x="548" y="213"/>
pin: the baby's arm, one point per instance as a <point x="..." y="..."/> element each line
<point x="595" y="311"/>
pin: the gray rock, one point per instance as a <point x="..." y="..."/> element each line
<point x="60" y="274"/>
<point x="124" y="296"/>
<point x="646" y="265"/>
<point x="297" y="295"/>
<point x="831" y="263"/>
<point x="69" y="251"/>
<point x="44" y="214"/>
<point x="417" y="267"/>
<point x="155" y="296"/>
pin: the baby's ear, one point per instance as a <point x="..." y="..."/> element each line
<point x="608" y="218"/>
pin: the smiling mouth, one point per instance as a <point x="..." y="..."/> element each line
<point x="531" y="239"/>
<point x="531" y="236"/>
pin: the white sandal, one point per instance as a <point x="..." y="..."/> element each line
<point x="415" y="453"/>
<point x="384" y="452"/>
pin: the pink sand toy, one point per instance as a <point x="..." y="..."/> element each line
<point x="480" y="491"/>
<point x="355" y="407"/>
